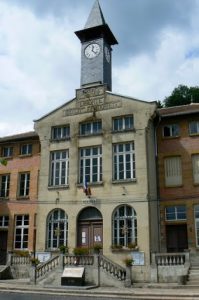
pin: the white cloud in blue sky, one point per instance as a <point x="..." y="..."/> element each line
<point x="40" y="54"/>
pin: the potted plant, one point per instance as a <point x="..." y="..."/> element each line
<point x="97" y="247"/>
<point x="81" y="251"/>
<point x="63" y="249"/>
<point x="128" y="261"/>
<point x="35" y="261"/>
<point x="116" y="247"/>
<point x="133" y="246"/>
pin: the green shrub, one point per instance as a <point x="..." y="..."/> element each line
<point x="81" y="251"/>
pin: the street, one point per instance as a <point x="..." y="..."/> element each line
<point x="30" y="296"/>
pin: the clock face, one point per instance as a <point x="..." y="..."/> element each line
<point x="107" y="54"/>
<point x="92" y="50"/>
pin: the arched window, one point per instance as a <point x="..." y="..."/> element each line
<point x="57" y="229"/>
<point x="124" y="226"/>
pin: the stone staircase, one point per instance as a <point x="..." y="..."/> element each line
<point x="193" y="276"/>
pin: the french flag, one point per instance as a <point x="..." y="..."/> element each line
<point x="86" y="188"/>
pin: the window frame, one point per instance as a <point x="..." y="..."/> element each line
<point x="196" y="123"/>
<point x="122" y="236"/>
<point x="22" y="231"/>
<point x="24" y="184"/>
<point x="4" y="221"/>
<point x="90" y="166"/>
<point x="121" y="126"/>
<point x="91" y="130"/>
<point x="57" y="164"/>
<point x="176" y="213"/>
<point x="7" y="185"/>
<point x="51" y="236"/>
<point x="174" y="130"/>
<point x="116" y="163"/>
<point x="7" y="151"/>
<point x="26" y="149"/>
<point x="59" y="136"/>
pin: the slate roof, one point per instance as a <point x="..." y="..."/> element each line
<point x="20" y="136"/>
<point x="96" y="17"/>
<point x="178" y="110"/>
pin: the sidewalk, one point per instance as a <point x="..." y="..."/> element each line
<point x="147" y="291"/>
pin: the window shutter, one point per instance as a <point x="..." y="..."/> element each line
<point x="195" y="163"/>
<point x="173" y="171"/>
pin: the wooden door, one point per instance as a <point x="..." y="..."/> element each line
<point x="89" y="234"/>
<point x="3" y="247"/>
<point x="176" y="238"/>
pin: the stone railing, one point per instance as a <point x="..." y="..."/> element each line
<point x="112" y="268"/>
<point x="20" y="260"/>
<point x="83" y="260"/>
<point x="170" y="259"/>
<point x="44" y="268"/>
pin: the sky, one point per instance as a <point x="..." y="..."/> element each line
<point x="40" y="54"/>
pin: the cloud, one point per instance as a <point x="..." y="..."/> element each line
<point x="40" y="54"/>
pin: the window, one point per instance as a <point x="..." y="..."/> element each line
<point x="172" y="130"/>
<point x="91" y="164"/>
<point x="123" y="161"/>
<point x="124" y="226"/>
<point x="196" y="209"/>
<point x="194" y="127"/>
<point x="7" y="151"/>
<point x="59" y="168"/>
<point x="57" y="229"/>
<point x="4" y="185"/>
<point x="24" y="184"/>
<point x="123" y="123"/>
<point x="4" y="221"/>
<point x="61" y="132"/>
<point x="195" y="164"/>
<point x="21" y="232"/>
<point x="175" y="213"/>
<point x="91" y="128"/>
<point x="173" y="171"/>
<point x="26" y="149"/>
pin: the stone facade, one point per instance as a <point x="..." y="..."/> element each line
<point x="93" y="104"/>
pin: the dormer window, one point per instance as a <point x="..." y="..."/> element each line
<point x="91" y="128"/>
<point x="123" y="123"/>
<point x="26" y="149"/>
<point x="61" y="132"/>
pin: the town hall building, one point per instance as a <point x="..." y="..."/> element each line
<point x="97" y="182"/>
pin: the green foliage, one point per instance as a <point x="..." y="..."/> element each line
<point x="128" y="261"/>
<point x="21" y="253"/>
<point x="35" y="261"/>
<point x="63" y="249"/>
<point x="116" y="246"/>
<point x="3" y="162"/>
<point x="182" y="95"/>
<point x="81" y="251"/>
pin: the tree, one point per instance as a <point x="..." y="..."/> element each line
<point x="182" y="95"/>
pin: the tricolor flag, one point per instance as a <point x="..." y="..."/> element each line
<point x="86" y="188"/>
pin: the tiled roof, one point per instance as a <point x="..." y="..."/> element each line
<point x="20" y="136"/>
<point x="179" y="110"/>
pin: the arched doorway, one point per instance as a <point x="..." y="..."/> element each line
<point x="90" y="228"/>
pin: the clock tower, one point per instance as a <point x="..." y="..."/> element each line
<point x="96" y="54"/>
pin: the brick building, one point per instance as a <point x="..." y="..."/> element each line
<point x="18" y="192"/>
<point x="178" y="168"/>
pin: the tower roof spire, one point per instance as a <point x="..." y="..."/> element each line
<point x="96" y="17"/>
